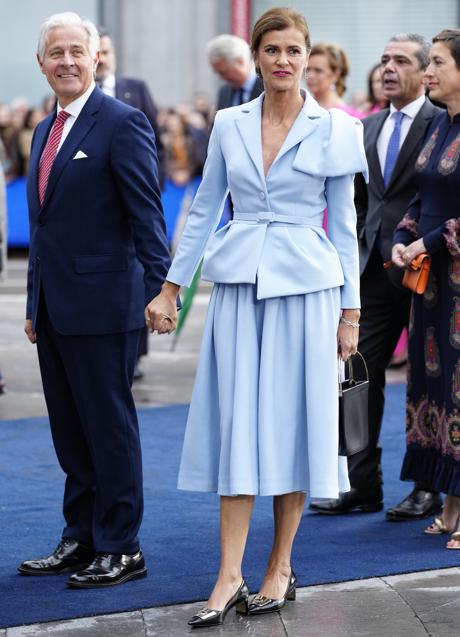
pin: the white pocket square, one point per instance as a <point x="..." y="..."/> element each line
<point x="80" y="155"/>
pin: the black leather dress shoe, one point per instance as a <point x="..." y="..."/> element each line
<point x="356" y="499"/>
<point x="69" y="555"/>
<point x="417" y="505"/>
<point x="108" y="569"/>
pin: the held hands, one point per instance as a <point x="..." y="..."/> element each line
<point x="31" y="335"/>
<point x="348" y="333"/>
<point x="402" y="255"/>
<point x="161" y="312"/>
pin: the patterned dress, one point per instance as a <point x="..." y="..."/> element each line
<point x="433" y="390"/>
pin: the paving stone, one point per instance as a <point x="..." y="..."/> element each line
<point x="172" y="621"/>
<point x="119" y="625"/>
<point x="435" y="598"/>
<point x="368" y="608"/>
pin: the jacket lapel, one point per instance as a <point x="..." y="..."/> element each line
<point x="39" y="141"/>
<point x="375" y="169"/>
<point x="413" y="138"/>
<point x="304" y="125"/>
<point x="250" y="128"/>
<point x="83" y="124"/>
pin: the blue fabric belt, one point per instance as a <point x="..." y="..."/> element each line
<point x="267" y="216"/>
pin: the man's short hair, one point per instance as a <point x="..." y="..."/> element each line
<point x="424" y="46"/>
<point x="229" y="48"/>
<point x="68" y="19"/>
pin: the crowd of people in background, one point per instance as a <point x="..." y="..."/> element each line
<point x="184" y="128"/>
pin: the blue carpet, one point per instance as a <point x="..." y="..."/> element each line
<point x="180" y="530"/>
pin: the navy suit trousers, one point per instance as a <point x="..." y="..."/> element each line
<point x="87" y="385"/>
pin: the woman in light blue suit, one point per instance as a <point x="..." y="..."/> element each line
<point x="263" y="417"/>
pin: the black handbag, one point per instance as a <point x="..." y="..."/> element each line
<point x="353" y="412"/>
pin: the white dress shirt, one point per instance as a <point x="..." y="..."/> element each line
<point x="410" y="111"/>
<point x="74" y="109"/>
<point x="108" y="85"/>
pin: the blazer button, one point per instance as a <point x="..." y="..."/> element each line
<point x="262" y="195"/>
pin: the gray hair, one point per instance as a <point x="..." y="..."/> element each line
<point x="68" y="19"/>
<point x="228" y="47"/>
<point x="424" y="46"/>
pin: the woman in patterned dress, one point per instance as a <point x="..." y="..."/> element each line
<point x="432" y="224"/>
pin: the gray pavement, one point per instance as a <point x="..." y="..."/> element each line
<point x="413" y="605"/>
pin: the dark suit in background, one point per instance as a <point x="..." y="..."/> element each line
<point x="226" y="94"/>
<point x="135" y="93"/>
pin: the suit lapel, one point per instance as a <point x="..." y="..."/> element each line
<point x="410" y="144"/>
<point x="302" y="127"/>
<point x="83" y="124"/>
<point x="375" y="170"/>
<point x="250" y="128"/>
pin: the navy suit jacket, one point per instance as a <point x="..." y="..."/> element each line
<point x="98" y="248"/>
<point x="226" y="92"/>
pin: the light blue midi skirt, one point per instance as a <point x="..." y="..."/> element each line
<point x="263" y="418"/>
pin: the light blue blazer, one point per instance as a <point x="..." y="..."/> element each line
<point x="276" y="239"/>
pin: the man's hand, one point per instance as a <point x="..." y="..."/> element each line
<point x="31" y="335"/>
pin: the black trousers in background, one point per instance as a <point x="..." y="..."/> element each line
<point x="385" y="312"/>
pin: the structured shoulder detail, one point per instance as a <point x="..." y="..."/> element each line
<point x="340" y="148"/>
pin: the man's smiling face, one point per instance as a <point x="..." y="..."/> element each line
<point x="67" y="63"/>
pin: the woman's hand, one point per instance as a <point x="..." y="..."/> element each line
<point x="161" y="312"/>
<point x="397" y="255"/>
<point x="348" y="333"/>
<point x="402" y="255"/>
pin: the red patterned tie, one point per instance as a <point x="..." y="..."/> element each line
<point x="49" y="153"/>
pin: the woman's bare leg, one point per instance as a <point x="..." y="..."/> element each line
<point x="235" y="515"/>
<point x="287" y="510"/>
<point x="451" y="517"/>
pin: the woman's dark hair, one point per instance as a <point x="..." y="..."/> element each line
<point x="370" y="87"/>
<point x="338" y="61"/>
<point x="451" y="38"/>
<point x="278" y="19"/>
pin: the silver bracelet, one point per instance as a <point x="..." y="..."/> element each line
<point x="349" y="323"/>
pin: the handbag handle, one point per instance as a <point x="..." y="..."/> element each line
<point x="351" y="377"/>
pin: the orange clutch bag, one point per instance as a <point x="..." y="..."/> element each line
<point x="416" y="276"/>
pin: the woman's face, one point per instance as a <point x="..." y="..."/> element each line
<point x="377" y="86"/>
<point x="442" y="75"/>
<point x="320" y="76"/>
<point x="282" y="58"/>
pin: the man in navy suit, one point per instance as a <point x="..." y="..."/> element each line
<point x="98" y="255"/>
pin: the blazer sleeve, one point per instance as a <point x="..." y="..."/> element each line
<point x="204" y="214"/>
<point x="135" y="167"/>
<point x="345" y="156"/>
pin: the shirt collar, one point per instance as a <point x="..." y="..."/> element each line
<point x="109" y="81"/>
<point x="248" y="85"/>
<point x="75" y="107"/>
<point x="411" y="109"/>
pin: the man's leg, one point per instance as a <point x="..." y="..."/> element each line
<point x="384" y="313"/>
